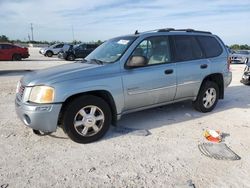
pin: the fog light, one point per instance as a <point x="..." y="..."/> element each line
<point x="26" y="119"/>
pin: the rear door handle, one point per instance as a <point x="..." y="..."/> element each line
<point x="203" y="66"/>
<point x="169" y="71"/>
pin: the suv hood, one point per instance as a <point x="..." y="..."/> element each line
<point x="59" y="74"/>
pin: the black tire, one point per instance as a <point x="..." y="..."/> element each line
<point x="16" y="57"/>
<point x="71" y="113"/>
<point x="49" y="53"/>
<point x="71" y="57"/>
<point x="246" y="60"/>
<point x="199" y="105"/>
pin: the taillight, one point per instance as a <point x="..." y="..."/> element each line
<point x="228" y="62"/>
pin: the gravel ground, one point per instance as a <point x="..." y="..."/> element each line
<point x="168" y="157"/>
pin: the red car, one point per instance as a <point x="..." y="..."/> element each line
<point x="12" y="52"/>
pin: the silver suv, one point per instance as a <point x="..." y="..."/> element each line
<point x="124" y="75"/>
<point x="53" y="49"/>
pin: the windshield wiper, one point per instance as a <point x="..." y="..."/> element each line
<point x="97" y="61"/>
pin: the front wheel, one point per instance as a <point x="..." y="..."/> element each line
<point x="71" y="57"/>
<point x="207" y="97"/>
<point x="86" y="119"/>
<point x="49" y="54"/>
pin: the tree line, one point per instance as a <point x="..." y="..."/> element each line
<point x="4" y="38"/>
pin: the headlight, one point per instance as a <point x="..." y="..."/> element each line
<point x="18" y="86"/>
<point x="42" y="94"/>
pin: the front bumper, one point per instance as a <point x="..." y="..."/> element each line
<point x="26" y="55"/>
<point x="42" y="117"/>
<point x="246" y="79"/>
<point x="42" y="52"/>
<point x="227" y="78"/>
<point x="61" y="55"/>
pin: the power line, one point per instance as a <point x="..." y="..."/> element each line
<point x="31" y="28"/>
<point x="73" y="34"/>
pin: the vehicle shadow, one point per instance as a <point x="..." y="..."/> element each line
<point x="178" y="112"/>
<point x="21" y="72"/>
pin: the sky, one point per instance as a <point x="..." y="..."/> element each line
<point x="92" y="20"/>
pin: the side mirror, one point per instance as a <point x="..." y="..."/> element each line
<point x="137" y="61"/>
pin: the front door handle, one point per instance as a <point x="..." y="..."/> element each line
<point x="169" y="71"/>
<point x="203" y="66"/>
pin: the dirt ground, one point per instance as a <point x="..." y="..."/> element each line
<point x="168" y="157"/>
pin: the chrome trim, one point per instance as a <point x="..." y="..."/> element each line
<point x="187" y="83"/>
<point x="149" y="90"/>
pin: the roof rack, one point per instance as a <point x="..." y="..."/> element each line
<point x="175" y="30"/>
<point x="185" y="30"/>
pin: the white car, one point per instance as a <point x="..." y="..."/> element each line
<point x="51" y="50"/>
<point x="241" y="56"/>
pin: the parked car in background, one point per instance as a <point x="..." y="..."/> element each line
<point x="246" y="75"/>
<point x="52" y="50"/>
<point x="78" y="51"/>
<point x="240" y="56"/>
<point x="13" y="52"/>
<point x="123" y="75"/>
<point x="65" y="48"/>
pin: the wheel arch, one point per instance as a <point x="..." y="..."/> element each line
<point x="218" y="79"/>
<point x="104" y="94"/>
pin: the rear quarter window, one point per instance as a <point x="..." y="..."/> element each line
<point x="210" y="45"/>
<point x="187" y="48"/>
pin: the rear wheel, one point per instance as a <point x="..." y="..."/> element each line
<point x="86" y="119"/>
<point x="207" y="97"/>
<point x="16" y="57"/>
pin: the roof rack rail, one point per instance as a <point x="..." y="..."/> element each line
<point x="173" y="30"/>
<point x="186" y="30"/>
<point x="166" y="30"/>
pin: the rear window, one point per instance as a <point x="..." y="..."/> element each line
<point x="59" y="46"/>
<point x="7" y="46"/>
<point x="210" y="45"/>
<point x="187" y="48"/>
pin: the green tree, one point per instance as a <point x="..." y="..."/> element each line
<point x="3" y="38"/>
<point x="240" y="47"/>
<point x="99" y="42"/>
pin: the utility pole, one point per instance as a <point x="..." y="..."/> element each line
<point x="31" y="28"/>
<point x="73" y="35"/>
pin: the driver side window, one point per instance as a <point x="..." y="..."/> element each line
<point x="155" y="49"/>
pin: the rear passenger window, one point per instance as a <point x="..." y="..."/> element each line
<point x="187" y="48"/>
<point x="210" y="45"/>
<point x="7" y="46"/>
<point x="59" y="46"/>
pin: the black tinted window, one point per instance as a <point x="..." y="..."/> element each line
<point x="7" y="46"/>
<point x="59" y="46"/>
<point x="187" y="48"/>
<point x="210" y="45"/>
<point x="91" y="46"/>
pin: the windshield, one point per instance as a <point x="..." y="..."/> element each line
<point x="111" y="50"/>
